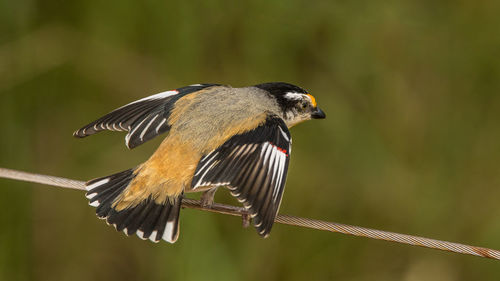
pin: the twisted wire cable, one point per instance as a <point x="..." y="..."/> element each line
<point x="283" y="219"/>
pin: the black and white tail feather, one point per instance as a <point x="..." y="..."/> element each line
<point x="144" y="119"/>
<point x="148" y="219"/>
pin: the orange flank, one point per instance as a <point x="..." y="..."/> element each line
<point x="164" y="176"/>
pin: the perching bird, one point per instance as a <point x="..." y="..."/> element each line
<point x="217" y="136"/>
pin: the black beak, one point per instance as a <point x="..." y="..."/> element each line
<point x="318" y="114"/>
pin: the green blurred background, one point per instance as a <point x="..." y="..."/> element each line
<point x="411" y="143"/>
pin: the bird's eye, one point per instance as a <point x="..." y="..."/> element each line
<point x="303" y="105"/>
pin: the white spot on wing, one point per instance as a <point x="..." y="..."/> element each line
<point x="283" y="133"/>
<point x="263" y="149"/>
<point x="208" y="162"/>
<point x="251" y="148"/>
<point x="205" y="157"/>
<point x="161" y="95"/>
<point x="161" y="124"/>
<point x="240" y="151"/>
<point x="201" y="182"/>
<point x="96" y="184"/>
<point x="270" y="148"/>
<point x="116" y="128"/>
<point x="215" y="184"/>
<point x="276" y="175"/>
<point x="273" y="165"/>
<point x="129" y="135"/>
<point x="147" y="127"/>
<point x="281" y="169"/>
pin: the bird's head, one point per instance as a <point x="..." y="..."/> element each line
<point x="295" y="103"/>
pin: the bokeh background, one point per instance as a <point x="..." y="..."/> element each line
<point x="411" y="142"/>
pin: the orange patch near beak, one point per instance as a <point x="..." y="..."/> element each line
<point x="313" y="100"/>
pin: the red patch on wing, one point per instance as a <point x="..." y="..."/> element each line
<point x="280" y="149"/>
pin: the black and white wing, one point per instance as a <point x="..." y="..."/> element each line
<point x="143" y="119"/>
<point x="254" y="166"/>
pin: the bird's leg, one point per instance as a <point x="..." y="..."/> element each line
<point x="207" y="197"/>
<point x="245" y="220"/>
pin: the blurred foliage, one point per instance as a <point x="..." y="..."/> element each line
<point x="411" y="142"/>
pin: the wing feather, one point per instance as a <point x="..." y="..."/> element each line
<point x="144" y="119"/>
<point x="254" y="167"/>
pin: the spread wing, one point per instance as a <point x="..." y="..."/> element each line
<point x="143" y="119"/>
<point x="254" y="166"/>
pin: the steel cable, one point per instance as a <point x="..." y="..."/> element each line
<point x="283" y="219"/>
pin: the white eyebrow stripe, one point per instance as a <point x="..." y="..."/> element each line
<point x="309" y="98"/>
<point x="294" y="95"/>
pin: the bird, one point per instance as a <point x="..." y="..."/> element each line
<point x="217" y="136"/>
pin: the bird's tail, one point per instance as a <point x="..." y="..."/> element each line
<point x="148" y="219"/>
